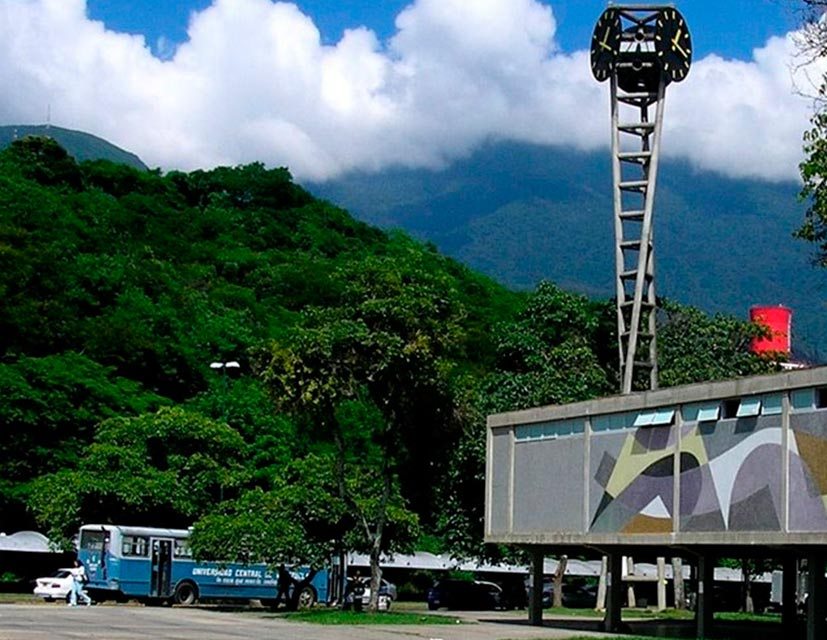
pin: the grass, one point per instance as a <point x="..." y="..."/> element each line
<point x="338" y="617"/>
<point x="622" y="638"/>
<point x="737" y="616"/>
<point x="19" y="598"/>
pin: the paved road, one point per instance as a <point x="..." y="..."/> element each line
<point x="111" y="622"/>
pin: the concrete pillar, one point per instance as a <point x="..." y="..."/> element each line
<point x="816" y="594"/>
<point x="535" y="599"/>
<point x="614" y="593"/>
<point x="704" y="607"/>
<point x="601" y="585"/>
<point x="631" y="600"/>
<point x="661" y="583"/>
<point x="789" y="586"/>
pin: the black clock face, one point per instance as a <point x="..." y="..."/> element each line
<point x="673" y="45"/>
<point x="605" y="44"/>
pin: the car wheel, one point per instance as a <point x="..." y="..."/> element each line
<point x="307" y="598"/>
<point x="186" y="593"/>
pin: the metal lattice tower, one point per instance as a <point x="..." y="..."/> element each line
<point x="639" y="49"/>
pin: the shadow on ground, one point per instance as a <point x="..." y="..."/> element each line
<point x="672" y="628"/>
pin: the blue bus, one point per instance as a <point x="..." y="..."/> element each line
<point x="155" y="566"/>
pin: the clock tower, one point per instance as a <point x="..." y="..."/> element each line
<point x="640" y="50"/>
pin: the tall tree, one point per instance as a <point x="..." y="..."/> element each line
<point x="383" y="351"/>
<point x="548" y="354"/>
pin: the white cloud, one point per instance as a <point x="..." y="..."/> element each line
<point x="255" y="82"/>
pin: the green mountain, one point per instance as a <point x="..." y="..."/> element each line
<point x="81" y="146"/>
<point x="126" y="293"/>
<point x="521" y="213"/>
<point x="120" y="287"/>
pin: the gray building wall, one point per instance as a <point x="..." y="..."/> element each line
<point x="709" y="462"/>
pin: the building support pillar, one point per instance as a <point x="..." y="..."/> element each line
<point x="816" y="592"/>
<point x="614" y="593"/>
<point x="535" y="596"/>
<point x="662" y="584"/>
<point x="704" y="600"/>
<point x="789" y="588"/>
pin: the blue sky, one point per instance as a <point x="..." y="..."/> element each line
<point x="730" y="28"/>
<point x="326" y="87"/>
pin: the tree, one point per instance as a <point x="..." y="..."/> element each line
<point x="298" y="520"/>
<point x="695" y="347"/>
<point x="373" y="366"/>
<point x="548" y="354"/>
<point x="812" y="45"/>
<point x="50" y="408"/>
<point x="168" y="467"/>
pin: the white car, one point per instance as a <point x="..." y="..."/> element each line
<point x="358" y="593"/>
<point x="55" y="586"/>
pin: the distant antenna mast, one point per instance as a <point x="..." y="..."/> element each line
<point x="48" y="117"/>
<point x="640" y="49"/>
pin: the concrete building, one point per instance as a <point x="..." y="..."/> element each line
<point x="734" y="468"/>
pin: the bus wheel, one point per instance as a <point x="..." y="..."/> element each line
<point x="186" y="593"/>
<point x="307" y="598"/>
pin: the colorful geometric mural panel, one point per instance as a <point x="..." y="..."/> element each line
<point x="604" y="470"/>
<point x="807" y="509"/>
<point x="754" y="513"/>
<point x="738" y="487"/>
<point x="647" y="524"/>
<point x="813" y="451"/>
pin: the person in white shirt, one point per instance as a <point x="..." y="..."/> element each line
<point x="78" y="580"/>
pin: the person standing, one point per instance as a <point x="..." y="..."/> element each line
<point x="285" y="582"/>
<point x="78" y="580"/>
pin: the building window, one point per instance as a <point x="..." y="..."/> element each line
<point x="655" y="418"/>
<point x="771" y="405"/>
<point x="821" y="398"/>
<point x="730" y="409"/>
<point x="803" y="399"/>
<point x="549" y="430"/>
<point x="748" y="408"/>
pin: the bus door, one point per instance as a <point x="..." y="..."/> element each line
<point x="161" y="572"/>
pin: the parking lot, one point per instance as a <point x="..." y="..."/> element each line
<point x="125" y="622"/>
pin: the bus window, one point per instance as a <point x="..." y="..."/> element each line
<point x="182" y="549"/>
<point x="135" y="546"/>
<point x="91" y="540"/>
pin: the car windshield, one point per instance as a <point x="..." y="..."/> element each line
<point x="61" y="574"/>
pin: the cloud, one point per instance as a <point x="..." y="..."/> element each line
<point x="254" y="81"/>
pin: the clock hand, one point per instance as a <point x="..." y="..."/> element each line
<point x="606" y="39"/>
<point x="677" y="45"/>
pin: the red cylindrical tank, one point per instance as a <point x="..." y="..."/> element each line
<point x="779" y="320"/>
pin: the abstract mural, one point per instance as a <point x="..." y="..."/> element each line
<point x="729" y="477"/>
<point x="747" y="456"/>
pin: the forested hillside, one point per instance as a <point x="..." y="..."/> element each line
<point x="521" y="212"/>
<point x="368" y="361"/>
<point x="80" y="145"/>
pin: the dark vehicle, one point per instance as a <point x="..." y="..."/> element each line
<point x="514" y="593"/>
<point x="465" y="594"/>
<point x="575" y="596"/>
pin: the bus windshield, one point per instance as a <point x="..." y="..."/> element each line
<point x="91" y="540"/>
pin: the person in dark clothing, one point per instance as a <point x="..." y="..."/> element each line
<point x="285" y="581"/>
